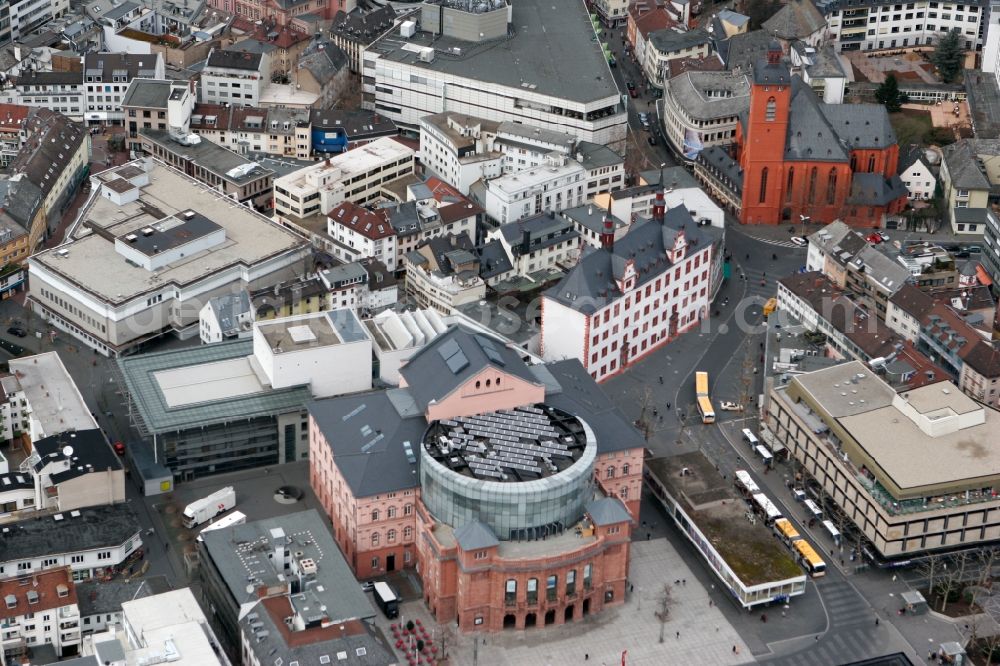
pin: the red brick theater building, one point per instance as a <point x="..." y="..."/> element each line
<point x="511" y="488"/>
<point x="796" y="156"/>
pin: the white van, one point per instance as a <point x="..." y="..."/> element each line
<point x="750" y="438"/>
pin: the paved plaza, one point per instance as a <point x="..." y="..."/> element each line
<point x="705" y="637"/>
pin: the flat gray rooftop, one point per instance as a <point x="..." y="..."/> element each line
<point x="913" y="459"/>
<point x="159" y="394"/>
<point x="93" y="264"/>
<point x="847" y="389"/>
<point x="551" y="51"/>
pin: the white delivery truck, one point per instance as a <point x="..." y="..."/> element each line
<point x="209" y="507"/>
<point x="235" y="518"/>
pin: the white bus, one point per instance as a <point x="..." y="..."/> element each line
<point x="746" y="484"/>
<point x="767" y="507"/>
<point x="814" y="509"/>
<point x="765" y="454"/>
<point x="833" y="531"/>
<point x="750" y="438"/>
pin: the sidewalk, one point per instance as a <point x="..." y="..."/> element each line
<point x="695" y="633"/>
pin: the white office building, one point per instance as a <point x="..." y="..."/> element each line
<point x="165" y="245"/>
<point x="559" y="184"/>
<point x="867" y="25"/>
<point x="107" y="77"/>
<point x="355" y="176"/>
<point x="550" y="71"/>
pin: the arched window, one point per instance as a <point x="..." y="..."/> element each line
<point x="772" y="110"/>
<point x="625" y="469"/>
<point x="763" y="185"/>
<point x="812" y="184"/>
<point x="790" y="184"/>
<point x="871" y="164"/>
<point x="374" y="515"/>
<point x="623" y="493"/>
<point x="831" y="187"/>
<point x="510" y="592"/>
<point x="391" y="512"/>
<point x="408" y="510"/>
<point x="374" y="538"/>
<point x="609" y="473"/>
<point x="390" y="536"/>
<point x="854" y="163"/>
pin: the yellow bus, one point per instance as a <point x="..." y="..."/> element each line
<point x="704" y="403"/>
<point x="701" y="384"/>
<point x="770" y="306"/>
<point x="786" y="530"/>
<point x="809" y="559"/>
<point x="706" y="409"/>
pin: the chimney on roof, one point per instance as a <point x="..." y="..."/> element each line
<point x="608" y="231"/>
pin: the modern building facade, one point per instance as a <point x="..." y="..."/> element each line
<point x="581" y="98"/>
<point x="132" y="223"/>
<point x="355" y="176"/>
<point x="542" y="551"/>
<point x="254" y="414"/>
<point x="897" y="466"/>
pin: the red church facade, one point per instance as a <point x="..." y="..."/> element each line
<point x="797" y="158"/>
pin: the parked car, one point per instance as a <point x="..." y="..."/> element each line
<point x="884" y="236"/>
<point x="18" y="331"/>
<point x="651" y="140"/>
<point x="633" y="93"/>
<point x="630" y="85"/>
<point x="800" y="241"/>
<point x="873" y="238"/>
<point x="120" y="448"/>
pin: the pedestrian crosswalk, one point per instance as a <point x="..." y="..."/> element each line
<point x="852" y="634"/>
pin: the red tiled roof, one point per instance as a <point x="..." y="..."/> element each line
<point x="45" y="584"/>
<point x="12" y="116"/>
<point x="365" y="222"/>
<point x="452" y="204"/>
<point x="655" y="20"/>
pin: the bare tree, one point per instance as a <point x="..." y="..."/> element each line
<point x="648" y="422"/>
<point x="445" y="640"/>
<point x="930" y="569"/>
<point x="350" y="97"/>
<point x="664" y="602"/>
<point x="951" y="579"/>
<point x="986" y="558"/>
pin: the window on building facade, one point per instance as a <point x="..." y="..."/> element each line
<point x="571" y="582"/>
<point x="550" y="587"/>
<point x="812" y="185"/>
<point x="510" y="592"/>
<point x="771" y="111"/>
<point x="790" y="184"/>
<point x="831" y="187"/>
<point x="532" y="591"/>
<point x="609" y="473"/>
<point x="588" y="571"/>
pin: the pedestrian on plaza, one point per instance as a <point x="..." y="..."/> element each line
<point x="586" y="656"/>
<point x="684" y="581"/>
<point x="678" y="635"/>
<point x="735" y="650"/>
<point x="876" y="622"/>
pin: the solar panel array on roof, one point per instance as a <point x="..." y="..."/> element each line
<point x="453" y="356"/>
<point x="528" y="442"/>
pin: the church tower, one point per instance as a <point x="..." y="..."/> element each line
<point x="763" y="150"/>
